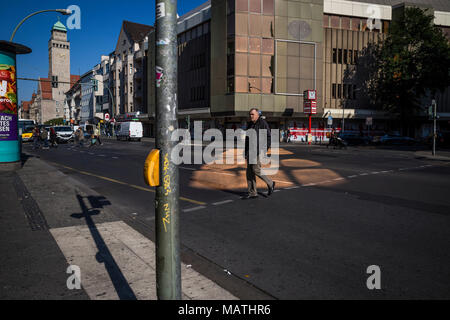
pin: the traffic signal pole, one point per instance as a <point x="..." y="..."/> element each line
<point x="434" y="126"/>
<point x="168" y="268"/>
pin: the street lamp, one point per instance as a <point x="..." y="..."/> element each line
<point x="65" y="12"/>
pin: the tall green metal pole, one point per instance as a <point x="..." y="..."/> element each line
<point x="168" y="268"/>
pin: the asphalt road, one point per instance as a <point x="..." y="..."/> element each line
<point x="336" y="212"/>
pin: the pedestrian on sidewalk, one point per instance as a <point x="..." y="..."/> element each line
<point x="256" y="123"/>
<point x="97" y="135"/>
<point x="80" y="137"/>
<point x="53" y="138"/>
<point x="36" y="137"/>
<point x="44" y="138"/>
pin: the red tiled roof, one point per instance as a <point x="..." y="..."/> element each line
<point x="26" y="105"/>
<point x="73" y="79"/>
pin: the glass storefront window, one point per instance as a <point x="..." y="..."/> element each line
<point x="242" y="5"/>
<point x="241" y="44"/>
<point x="255" y="6"/>
<point x="254" y="45"/>
<point x="267" y="26"/>
<point x="255" y="25"/>
<point x="268" y="6"/>
<point x="266" y="84"/>
<point x="254" y="85"/>
<point x="254" y="65"/>
<point x="267" y="66"/>
<point x="241" y="84"/>
<point x="241" y="24"/>
<point x="268" y="46"/>
<point x="241" y="64"/>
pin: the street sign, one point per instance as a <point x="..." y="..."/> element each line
<point x="330" y="120"/>
<point x="310" y="106"/>
<point x="309" y="94"/>
<point x="107" y="116"/>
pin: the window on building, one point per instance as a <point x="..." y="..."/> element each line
<point x="355" y="59"/>
<point x="350" y="56"/>
<point x="339" y="89"/>
<point x="345" y="56"/>
<point x="333" y="91"/>
<point x="340" y="56"/>
<point x="131" y="68"/>
<point x="334" y="55"/>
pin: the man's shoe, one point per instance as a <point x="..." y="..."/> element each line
<point x="271" y="189"/>
<point x="249" y="196"/>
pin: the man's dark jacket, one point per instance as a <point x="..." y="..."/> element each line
<point x="259" y="124"/>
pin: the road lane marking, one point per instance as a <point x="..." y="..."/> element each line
<point x="123" y="183"/>
<point x="222" y="202"/>
<point x="192" y="169"/>
<point x="354" y="176"/>
<point x="193" y="209"/>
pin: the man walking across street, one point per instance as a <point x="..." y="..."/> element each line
<point x="253" y="160"/>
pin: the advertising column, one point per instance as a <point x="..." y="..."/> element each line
<point x="9" y="133"/>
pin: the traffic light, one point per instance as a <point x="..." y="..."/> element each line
<point x="54" y="81"/>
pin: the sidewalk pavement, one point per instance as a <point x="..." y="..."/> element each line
<point x="440" y="155"/>
<point x="50" y="221"/>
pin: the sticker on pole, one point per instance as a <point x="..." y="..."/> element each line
<point x="159" y="76"/>
<point x="160" y="10"/>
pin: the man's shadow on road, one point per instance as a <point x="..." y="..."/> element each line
<point x="103" y="255"/>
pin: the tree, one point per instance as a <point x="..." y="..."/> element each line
<point x="55" y="122"/>
<point x="412" y="62"/>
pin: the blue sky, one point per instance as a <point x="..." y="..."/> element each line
<point x="101" y="21"/>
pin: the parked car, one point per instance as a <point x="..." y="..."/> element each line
<point x="354" y="139"/>
<point x="129" y="130"/>
<point x="396" y="140"/>
<point x="27" y="134"/>
<point x="64" y="133"/>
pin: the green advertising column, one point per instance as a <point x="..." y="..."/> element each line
<point x="9" y="131"/>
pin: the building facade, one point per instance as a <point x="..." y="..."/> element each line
<point x="128" y="69"/>
<point x="239" y="54"/>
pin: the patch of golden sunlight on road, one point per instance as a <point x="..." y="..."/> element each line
<point x="292" y="171"/>
<point x="299" y="163"/>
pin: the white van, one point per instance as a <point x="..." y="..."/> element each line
<point x="129" y="130"/>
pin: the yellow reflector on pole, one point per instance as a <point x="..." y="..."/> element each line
<point x="151" y="168"/>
